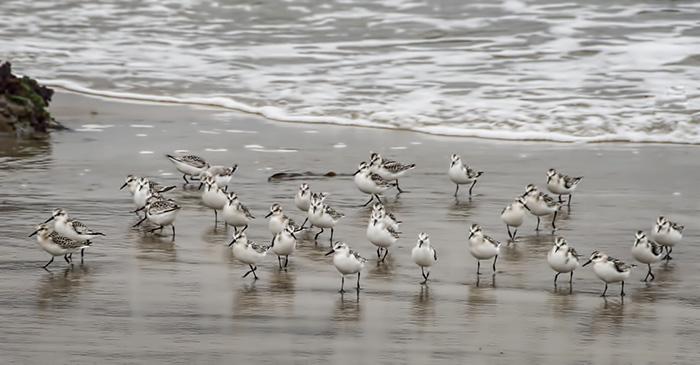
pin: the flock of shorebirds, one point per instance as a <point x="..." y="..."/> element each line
<point x="69" y="236"/>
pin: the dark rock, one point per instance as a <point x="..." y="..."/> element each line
<point x="23" y="104"/>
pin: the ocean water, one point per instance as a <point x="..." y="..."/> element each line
<point x="526" y="70"/>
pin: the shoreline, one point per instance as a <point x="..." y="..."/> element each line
<point x="367" y="125"/>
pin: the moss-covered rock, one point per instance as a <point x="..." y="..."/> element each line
<point x="23" y="104"/>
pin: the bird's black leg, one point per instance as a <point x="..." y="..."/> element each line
<point x="139" y="222"/>
<point x="397" y="186"/>
<point x="332" y="229"/>
<point x="622" y="291"/>
<point x="48" y="263"/>
<point x="379" y="254"/>
<point x="67" y="260"/>
<point x="494" y="263"/>
<point x="514" y="233"/>
<point x="561" y="201"/>
<point x="386" y="252"/>
<point x="538" y="224"/>
<point x="279" y="261"/>
<point x="318" y="234"/>
<point x="554" y="219"/>
<point x="216" y="217"/>
<point x="606" y="289"/>
<point x="370" y="200"/>
<point x="184" y="177"/>
<point x="555" y="278"/>
<point x="172" y="225"/>
<point x="478" y="266"/>
<point x="358" y="281"/>
<point x="650" y="273"/>
<point x="509" y="234"/>
<point x="342" y="284"/>
<point x="249" y="271"/>
<point x="377" y="196"/>
<point x="471" y="187"/>
<point x="456" y="190"/>
<point x="571" y="277"/>
<point x="302" y="225"/>
<point x="286" y="260"/>
<point x="569" y="203"/>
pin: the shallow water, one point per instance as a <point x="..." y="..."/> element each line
<point x="553" y="70"/>
<point x="141" y="298"/>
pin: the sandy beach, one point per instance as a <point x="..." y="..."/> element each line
<point x="143" y="299"/>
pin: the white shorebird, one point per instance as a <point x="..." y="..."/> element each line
<point x="189" y="165"/>
<point x="667" y="234"/>
<point x="142" y="193"/>
<point x="236" y="214"/>
<point x="213" y="197"/>
<point x="609" y="270"/>
<point x="388" y="217"/>
<point x="482" y="247"/>
<point x="323" y="216"/>
<point x="389" y="170"/>
<point x="133" y="182"/>
<point x="369" y="182"/>
<point x="303" y="200"/>
<point x="283" y="244"/>
<point x="562" y="184"/>
<point x="541" y="204"/>
<point x="222" y="175"/>
<point x="646" y="252"/>
<point x="424" y="255"/>
<point x="278" y="220"/>
<point x="562" y="259"/>
<point x="381" y="234"/>
<point x="513" y="215"/>
<point x="160" y="212"/>
<point x="71" y="228"/>
<point x="56" y="244"/>
<point x="461" y="174"/>
<point x="348" y="262"/>
<point x="248" y="252"/>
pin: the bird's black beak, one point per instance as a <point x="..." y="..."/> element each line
<point x="268" y="214"/>
<point x="420" y="243"/>
<point x="470" y="235"/>
<point x="200" y="186"/>
<point x="331" y="251"/>
<point x="232" y="242"/>
<point x="33" y="233"/>
<point x="48" y="220"/>
<point x="125" y="184"/>
<point x="356" y="172"/>
<point x="587" y="262"/>
<point x="526" y="207"/>
<point x="374" y="223"/>
<point x="524" y="195"/>
<point x="293" y="236"/>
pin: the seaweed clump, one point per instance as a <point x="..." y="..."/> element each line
<point x="23" y="104"/>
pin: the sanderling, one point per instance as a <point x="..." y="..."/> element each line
<point x="213" y="197"/>
<point x="56" y="244"/>
<point x="189" y="165"/>
<point x="388" y="217"/>
<point x="323" y="216"/>
<point x="562" y="259"/>
<point x="461" y="174"/>
<point x="133" y="182"/>
<point x="348" y="262"/>
<point x="381" y="234"/>
<point x="667" y="234"/>
<point x="248" y="252"/>
<point x="541" y="204"/>
<point x="142" y="193"/>
<point x="284" y="243"/>
<point x="609" y="270"/>
<point x="278" y="220"/>
<point x="562" y="184"/>
<point x="482" y="247"/>
<point x="646" y="252"/>
<point x="71" y="228"/>
<point x="513" y="215"/>
<point x="222" y="175"/>
<point x="369" y="182"/>
<point x="424" y="255"/>
<point x="389" y="170"/>
<point x="161" y="212"/>
<point x="236" y="214"/>
<point x="303" y="200"/>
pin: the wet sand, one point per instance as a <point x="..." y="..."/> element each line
<point x="140" y="298"/>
